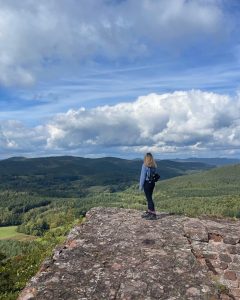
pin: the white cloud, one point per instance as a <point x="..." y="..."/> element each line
<point x="192" y="119"/>
<point x="36" y="36"/>
<point x="17" y="138"/>
<point x="183" y="122"/>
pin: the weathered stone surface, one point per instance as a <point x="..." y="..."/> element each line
<point x="221" y="253"/>
<point x="225" y="258"/>
<point x="236" y="293"/>
<point x="116" y="254"/>
<point x="215" y="237"/>
<point x="229" y="275"/>
<point x="195" y="230"/>
<point x="233" y="240"/>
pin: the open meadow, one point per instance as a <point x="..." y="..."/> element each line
<point x="10" y="233"/>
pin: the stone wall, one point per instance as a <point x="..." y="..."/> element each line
<point x="216" y="244"/>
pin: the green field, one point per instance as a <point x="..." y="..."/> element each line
<point x="10" y="233"/>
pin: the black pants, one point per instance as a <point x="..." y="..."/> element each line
<point x="148" y="190"/>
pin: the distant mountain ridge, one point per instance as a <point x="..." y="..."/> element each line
<point x="216" y="161"/>
<point x="64" y="175"/>
<point x="80" y="165"/>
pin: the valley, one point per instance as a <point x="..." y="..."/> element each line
<point x="42" y="199"/>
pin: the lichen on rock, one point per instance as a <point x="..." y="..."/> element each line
<point x="116" y="254"/>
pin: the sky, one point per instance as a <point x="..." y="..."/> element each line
<point x="120" y="78"/>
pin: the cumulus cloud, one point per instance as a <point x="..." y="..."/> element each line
<point x="183" y="122"/>
<point x="16" y="138"/>
<point x="40" y="35"/>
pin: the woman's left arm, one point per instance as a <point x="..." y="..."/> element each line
<point x="142" y="177"/>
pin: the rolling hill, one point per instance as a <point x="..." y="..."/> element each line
<point x="68" y="176"/>
<point x="213" y="192"/>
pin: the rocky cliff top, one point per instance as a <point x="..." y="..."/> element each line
<point x="116" y="254"/>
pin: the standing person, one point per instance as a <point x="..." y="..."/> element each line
<point x="147" y="184"/>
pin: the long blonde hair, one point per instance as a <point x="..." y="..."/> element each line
<point x="149" y="161"/>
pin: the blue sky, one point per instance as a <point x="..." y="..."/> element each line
<point x="95" y="78"/>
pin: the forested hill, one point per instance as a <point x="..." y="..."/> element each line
<point x="221" y="177"/>
<point x="69" y="176"/>
<point x="214" y="192"/>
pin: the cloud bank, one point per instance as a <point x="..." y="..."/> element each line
<point x="180" y="123"/>
<point x="52" y="36"/>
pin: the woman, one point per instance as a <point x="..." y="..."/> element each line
<point x="147" y="184"/>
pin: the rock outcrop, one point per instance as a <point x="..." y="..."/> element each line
<point x="116" y="254"/>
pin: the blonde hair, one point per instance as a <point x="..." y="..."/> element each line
<point x="149" y="161"/>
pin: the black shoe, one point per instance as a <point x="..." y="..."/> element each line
<point x="145" y="214"/>
<point x="151" y="217"/>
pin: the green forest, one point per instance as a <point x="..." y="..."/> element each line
<point x="42" y="199"/>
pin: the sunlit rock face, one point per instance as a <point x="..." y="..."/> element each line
<point x="116" y="254"/>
